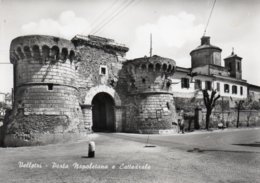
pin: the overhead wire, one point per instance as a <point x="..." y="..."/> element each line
<point x="108" y="16"/>
<point x="122" y="13"/>
<point x="110" y="13"/>
<point x="110" y="19"/>
<point x="209" y="18"/>
<point x="103" y="13"/>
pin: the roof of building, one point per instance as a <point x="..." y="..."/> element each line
<point x="205" y="44"/>
<point x="255" y="87"/>
<point x="99" y="42"/>
<point x="233" y="55"/>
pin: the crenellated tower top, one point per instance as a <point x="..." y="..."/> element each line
<point x="41" y="48"/>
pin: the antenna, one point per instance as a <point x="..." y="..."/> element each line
<point x="151" y="45"/>
<point x="209" y="18"/>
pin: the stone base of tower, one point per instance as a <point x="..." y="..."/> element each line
<point x="151" y="113"/>
<point x="30" y="130"/>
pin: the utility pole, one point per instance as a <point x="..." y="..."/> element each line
<point x="222" y="109"/>
<point x="151" y="45"/>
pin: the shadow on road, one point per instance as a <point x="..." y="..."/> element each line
<point x="256" y="144"/>
<point x="219" y="150"/>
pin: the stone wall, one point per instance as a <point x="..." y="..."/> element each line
<point x="247" y="118"/>
<point x="149" y="106"/>
<point x="150" y="113"/>
<point x="45" y="91"/>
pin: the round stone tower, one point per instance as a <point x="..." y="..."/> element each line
<point x="46" y="107"/>
<point x="150" y="105"/>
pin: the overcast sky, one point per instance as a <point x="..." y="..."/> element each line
<point x="176" y="26"/>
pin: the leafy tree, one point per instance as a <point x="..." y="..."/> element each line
<point x="209" y="102"/>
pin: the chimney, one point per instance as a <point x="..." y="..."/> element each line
<point x="205" y="40"/>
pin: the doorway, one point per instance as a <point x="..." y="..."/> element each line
<point x="103" y="113"/>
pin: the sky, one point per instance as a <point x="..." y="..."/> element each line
<point x="176" y="27"/>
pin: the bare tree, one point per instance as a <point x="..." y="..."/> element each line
<point x="239" y="107"/>
<point x="209" y="102"/>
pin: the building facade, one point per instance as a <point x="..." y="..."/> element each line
<point x="65" y="89"/>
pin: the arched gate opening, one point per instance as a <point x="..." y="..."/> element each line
<point x="103" y="113"/>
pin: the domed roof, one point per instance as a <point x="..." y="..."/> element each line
<point x="205" y="44"/>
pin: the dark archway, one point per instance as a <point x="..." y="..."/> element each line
<point x="103" y="113"/>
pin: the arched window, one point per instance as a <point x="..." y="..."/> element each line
<point x="158" y="67"/>
<point x="20" y="53"/>
<point x="55" y="52"/>
<point x="164" y="67"/>
<point x="36" y="52"/>
<point x="45" y="52"/>
<point x="150" y="67"/>
<point x="143" y="67"/>
<point x="27" y="52"/>
<point x="72" y="55"/>
<point x="169" y="68"/>
<point x="64" y="54"/>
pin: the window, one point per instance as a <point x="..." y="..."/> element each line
<point x="218" y="87"/>
<point x="241" y="90"/>
<point x="226" y="88"/>
<point x="143" y="80"/>
<point x="238" y="66"/>
<point x="197" y="84"/>
<point x="185" y="83"/>
<point x="208" y="85"/>
<point x="234" y="89"/>
<point x="103" y="70"/>
<point x="50" y="86"/>
<point x="229" y="66"/>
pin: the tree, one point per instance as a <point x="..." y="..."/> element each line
<point x="209" y="102"/>
<point x="239" y="106"/>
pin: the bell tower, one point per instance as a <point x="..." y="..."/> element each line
<point x="234" y="65"/>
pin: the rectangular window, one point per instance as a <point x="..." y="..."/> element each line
<point x="208" y="85"/>
<point x="103" y="70"/>
<point x="197" y="84"/>
<point x="50" y="86"/>
<point x="238" y="66"/>
<point x="234" y="89"/>
<point x="185" y="83"/>
<point x="229" y="66"/>
<point x="226" y="88"/>
<point x="218" y="87"/>
<point x="241" y="90"/>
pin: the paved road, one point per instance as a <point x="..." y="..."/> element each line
<point x="245" y="140"/>
<point x="173" y="160"/>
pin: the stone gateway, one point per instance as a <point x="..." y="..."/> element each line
<point x="65" y="89"/>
